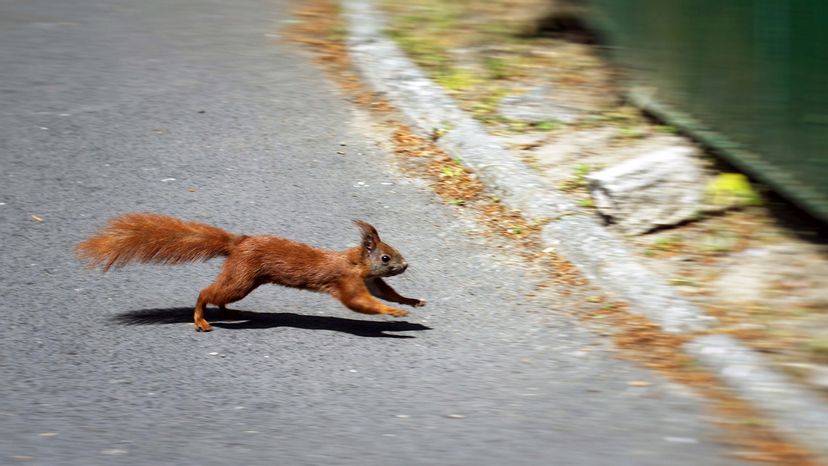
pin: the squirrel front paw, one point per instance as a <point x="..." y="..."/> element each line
<point x="416" y="302"/>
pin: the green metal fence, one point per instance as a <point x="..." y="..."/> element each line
<point x="748" y="77"/>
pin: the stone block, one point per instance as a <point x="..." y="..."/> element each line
<point x="653" y="190"/>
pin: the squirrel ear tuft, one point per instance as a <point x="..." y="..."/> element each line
<point x="370" y="237"/>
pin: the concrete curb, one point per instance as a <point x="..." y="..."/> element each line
<point x="797" y="412"/>
<point x="601" y="256"/>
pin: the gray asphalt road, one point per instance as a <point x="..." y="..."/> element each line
<point x="199" y="109"/>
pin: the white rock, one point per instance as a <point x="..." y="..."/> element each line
<point x="661" y="188"/>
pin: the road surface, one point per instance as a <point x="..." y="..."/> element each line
<point x="201" y="109"/>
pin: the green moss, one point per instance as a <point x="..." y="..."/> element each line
<point x="587" y="203"/>
<point x="547" y="125"/>
<point x="582" y="169"/>
<point x="457" y="79"/>
<point x="578" y="179"/>
<point x="451" y="172"/>
<point x="731" y="189"/>
<point x="666" y="243"/>
<point x="818" y="346"/>
<point x="633" y="132"/>
<point x="496" y="67"/>
<point x="423" y="50"/>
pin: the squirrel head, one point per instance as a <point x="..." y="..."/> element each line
<point x="381" y="259"/>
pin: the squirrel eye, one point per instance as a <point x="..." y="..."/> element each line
<point x="386" y="258"/>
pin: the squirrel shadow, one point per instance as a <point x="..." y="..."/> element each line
<point x="260" y="320"/>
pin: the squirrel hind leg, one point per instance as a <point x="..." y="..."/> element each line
<point x="220" y="293"/>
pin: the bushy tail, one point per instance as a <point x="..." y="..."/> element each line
<point x="140" y="237"/>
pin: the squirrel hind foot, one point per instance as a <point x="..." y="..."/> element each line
<point x="203" y="326"/>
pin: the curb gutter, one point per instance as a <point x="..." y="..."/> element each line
<point x="601" y="256"/>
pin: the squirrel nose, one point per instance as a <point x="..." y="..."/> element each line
<point x="404" y="266"/>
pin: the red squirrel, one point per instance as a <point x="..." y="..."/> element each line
<point x="352" y="276"/>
